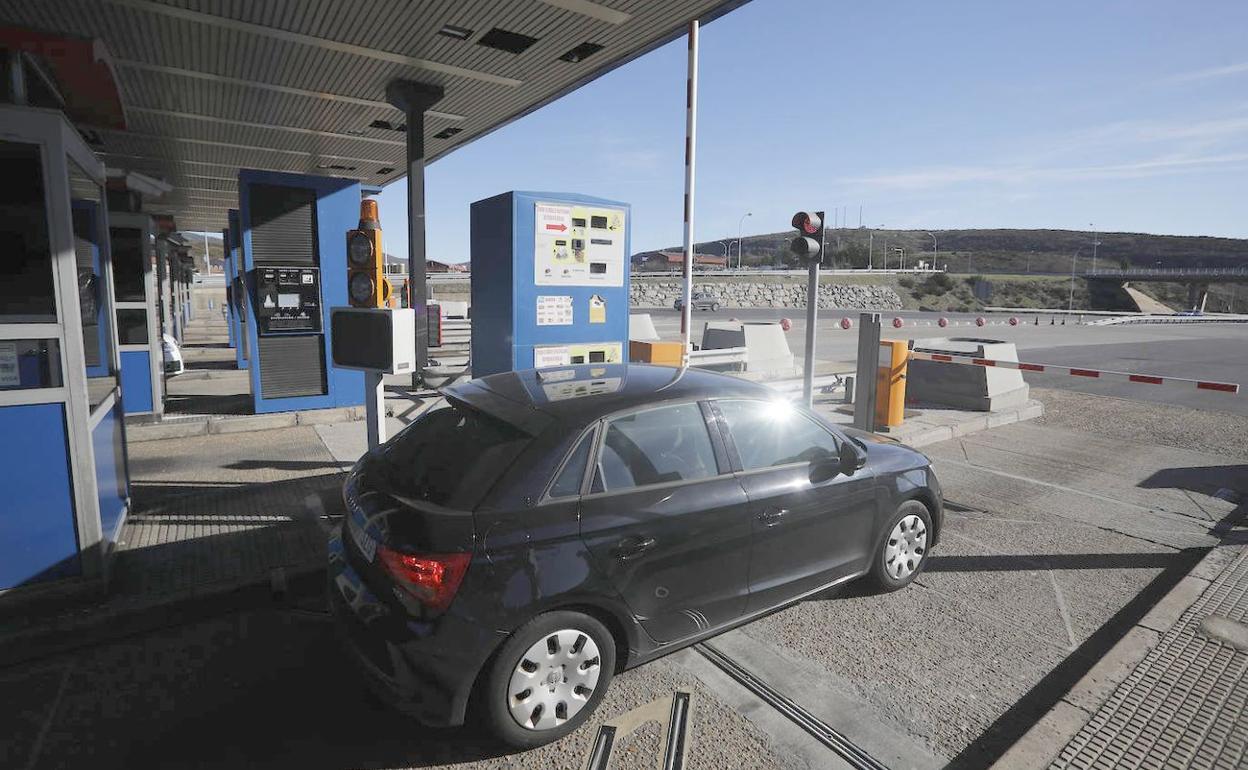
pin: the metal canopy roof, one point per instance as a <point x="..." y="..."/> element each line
<point x="212" y="86"/>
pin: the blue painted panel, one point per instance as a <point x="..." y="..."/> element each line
<point x="337" y="211"/>
<point x="136" y="381"/>
<point x="38" y="539"/>
<point x="240" y="310"/>
<point x="504" y="305"/>
<point x="111" y="473"/>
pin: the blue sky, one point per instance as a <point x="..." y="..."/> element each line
<point x="1129" y="115"/>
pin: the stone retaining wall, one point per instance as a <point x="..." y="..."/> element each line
<point x="645" y="293"/>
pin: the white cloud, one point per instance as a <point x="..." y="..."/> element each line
<point x="950" y="175"/>
<point x="1206" y="74"/>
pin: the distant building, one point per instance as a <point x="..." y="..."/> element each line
<point x="670" y="261"/>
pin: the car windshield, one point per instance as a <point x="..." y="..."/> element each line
<point x="451" y="456"/>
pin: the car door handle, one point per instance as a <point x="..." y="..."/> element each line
<point x="633" y="546"/>
<point x="772" y="516"/>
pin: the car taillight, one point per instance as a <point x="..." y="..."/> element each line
<point x="433" y="578"/>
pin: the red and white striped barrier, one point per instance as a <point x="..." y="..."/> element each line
<point x="1145" y="379"/>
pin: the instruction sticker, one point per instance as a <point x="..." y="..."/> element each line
<point x="554" y="310"/>
<point x="9" y="377"/>
<point x="575" y="245"/>
<point x="597" y="310"/>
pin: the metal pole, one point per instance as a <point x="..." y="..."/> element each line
<point x="1070" y="305"/>
<point x="374" y="408"/>
<point x="871" y="250"/>
<point x="413" y="99"/>
<point x="866" y="374"/>
<point x="691" y="132"/>
<point x="740" y="224"/>
<point x="933" y="250"/>
<point x="1094" y="245"/>
<point x="812" y="320"/>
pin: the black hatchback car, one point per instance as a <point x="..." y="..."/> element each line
<point x="543" y="530"/>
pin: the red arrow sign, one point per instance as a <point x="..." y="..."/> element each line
<point x="559" y="227"/>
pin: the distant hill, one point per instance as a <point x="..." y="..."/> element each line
<point x="999" y="251"/>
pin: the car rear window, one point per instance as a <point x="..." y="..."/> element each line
<point x="452" y="456"/>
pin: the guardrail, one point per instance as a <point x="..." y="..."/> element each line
<point x="728" y="273"/>
<point x="719" y="357"/>
<point x="1170" y="319"/>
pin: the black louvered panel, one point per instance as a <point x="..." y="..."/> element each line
<point x="292" y="366"/>
<point x="283" y="226"/>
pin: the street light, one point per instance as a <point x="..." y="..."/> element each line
<point x="933" y="250"/>
<point x="1070" y="305"/>
<point x="871" y="248"/>
<point x="1095" y="243"/>
<point x="740" y="224"/>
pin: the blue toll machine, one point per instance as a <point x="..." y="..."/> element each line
<point x="550" y="274"/>
<point x="294" y="241"/>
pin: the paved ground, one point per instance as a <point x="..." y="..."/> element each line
<point x="1215" y="352"/>
<point x="1060" y="536"/>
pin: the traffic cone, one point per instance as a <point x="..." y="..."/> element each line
<point x="1052" y="322"/>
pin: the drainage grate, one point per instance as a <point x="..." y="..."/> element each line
<point x="1185" y="705"/>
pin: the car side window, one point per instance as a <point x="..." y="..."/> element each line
<point x="568" y="482"/>
<point x="772" y="433"/>
<point x="669" y="443"/>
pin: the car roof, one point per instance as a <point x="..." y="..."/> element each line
<point x="577" y="395"/>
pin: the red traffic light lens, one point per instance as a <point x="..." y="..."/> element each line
<point x="807" y="222"/>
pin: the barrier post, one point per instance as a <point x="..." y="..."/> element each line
<point x="890" y="404"/>
<point x="865" y="377"/>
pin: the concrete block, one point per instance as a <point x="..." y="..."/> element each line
<point x="1005" y="417"/>
<point x="164" y="430"/>
<point x="325" y="416"/>
<point x="767" y="349"/>
<point x="1041" y="744"/>
<point x="641" y="328"/>
<point x="1167" y="611"/>
<point x="1032" y="411"/>
<point x="253" y="422"/>
<point x="1090" y="692"/>
<point x="961" y="386"/>
<point x="722" y="334"/>
<point x="970" y="425"/>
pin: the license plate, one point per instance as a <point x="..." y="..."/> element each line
<point x="363" y="541"/>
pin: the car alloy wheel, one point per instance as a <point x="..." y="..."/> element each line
<point x="554" y="680"/>
<point x="905" y="548"/>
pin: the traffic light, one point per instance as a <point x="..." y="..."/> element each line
<point x="366" y="281"/>
<point x="808" y="245"/>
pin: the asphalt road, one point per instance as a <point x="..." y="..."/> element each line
<point x="1198" y="351"/>
<point x="1057" y="541"/>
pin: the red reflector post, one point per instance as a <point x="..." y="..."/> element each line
<point x="1085" y="373"/>
<point x="1146" y="379"/>
<point x="432" y="578"/>
<point x="1225" y="387"/>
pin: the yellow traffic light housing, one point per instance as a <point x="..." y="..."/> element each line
<point x="367" y="285"/>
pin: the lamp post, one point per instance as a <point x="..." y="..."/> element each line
<point x="1070" y="304"/>
<point x="933" y="250"/>
<point x="740" y="224"/>
<point x="1095" y="243"/>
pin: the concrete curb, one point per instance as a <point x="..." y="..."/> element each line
<point x="94" y="625"/>
<point x="1044" y="741"/>
<point x="923" y="436"/>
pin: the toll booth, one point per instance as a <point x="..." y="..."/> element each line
<point x="294" y="259"/>
<point x="62" y="432"/>
<point x="237" y="292"/>
<point x="227" y="269"/>
<point x="132" y="245"/>
<point x="550" y="281"/>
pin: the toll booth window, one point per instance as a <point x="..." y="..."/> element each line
<point x="89" y="251"/>
<point x="127" y="255"/>
<point x="131" y="327"/>
<point x="26" y="364"/>
<point x="27" y="293"/>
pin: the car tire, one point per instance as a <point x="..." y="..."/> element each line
<point x="580" y="643"/>
<point x="715" y="307"/>
<point x="902" y="552"/>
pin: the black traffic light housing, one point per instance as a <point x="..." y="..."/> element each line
<point x="367" y="285"/>
<point x="808" y="245"/>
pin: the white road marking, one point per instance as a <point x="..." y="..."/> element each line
<point x="1061" y="607"/>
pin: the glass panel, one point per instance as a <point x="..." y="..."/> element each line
<point x="451" y="457"/>
<point x="27" y="294"/>
<point x="127" y="251"/>
<point x="569" y="482"/>
<point x="131" y="327"/>
<point x="30" y="364"/>
<point x="88" y="216"/>
<point x="771" y="433"/>
<point x="659" y="445"/>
